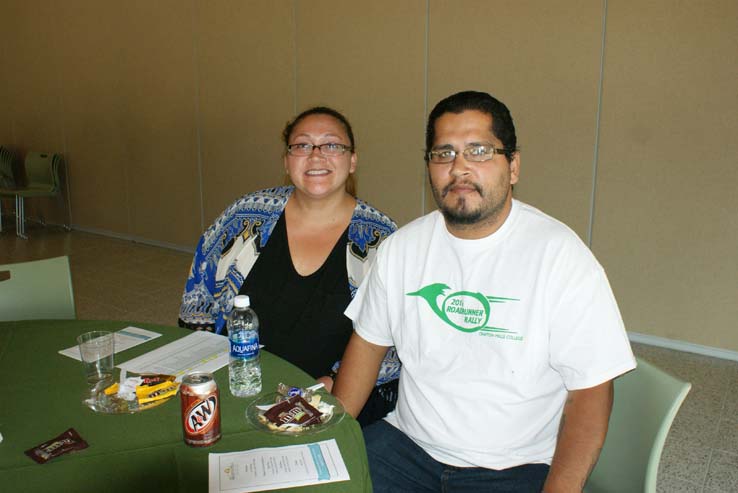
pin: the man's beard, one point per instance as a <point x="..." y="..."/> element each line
<point x="460" y="214"/>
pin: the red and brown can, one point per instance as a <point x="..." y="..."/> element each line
<point x="200" y="409"/>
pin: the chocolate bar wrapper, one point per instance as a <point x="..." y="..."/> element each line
<point x="294" y="410"/>
<point x="69" y="441"/>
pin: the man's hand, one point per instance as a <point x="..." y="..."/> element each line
<point x="358" y="373"/>
<point x="581" y="435"/>
<point x="327" y="382"/>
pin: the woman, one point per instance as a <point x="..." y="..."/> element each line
<point x="300" y="253"/>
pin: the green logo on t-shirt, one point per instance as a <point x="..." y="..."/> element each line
<point x="463" y="310"/>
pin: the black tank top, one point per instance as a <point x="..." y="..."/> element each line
<point x="301" y="318"/>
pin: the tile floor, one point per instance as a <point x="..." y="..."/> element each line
<point x="123" y="280"/>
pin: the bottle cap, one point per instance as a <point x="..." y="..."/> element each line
<point x="241" y="301"/>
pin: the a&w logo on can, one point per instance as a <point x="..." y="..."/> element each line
<point x="200" y="416"/>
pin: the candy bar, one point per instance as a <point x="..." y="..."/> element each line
<point x="68" y="441"/>
<point x="294" y="410"/>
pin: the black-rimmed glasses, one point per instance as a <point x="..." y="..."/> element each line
<point x="328" y="149"/>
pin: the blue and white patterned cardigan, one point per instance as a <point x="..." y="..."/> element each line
<point x="215" y="278"/>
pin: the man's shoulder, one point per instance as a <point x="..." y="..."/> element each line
<point x="541" y="234"/>
<point x="545" y="227"/>
<point x="412" y="232"/>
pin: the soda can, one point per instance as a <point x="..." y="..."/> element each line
<point x="200" y="409"/>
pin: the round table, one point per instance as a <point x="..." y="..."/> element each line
<point x="43" y="391"/>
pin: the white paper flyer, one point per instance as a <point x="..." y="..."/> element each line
<point x="123" y="339"/>
<point x="200" y="350"/>
<point x="276" y="467"/>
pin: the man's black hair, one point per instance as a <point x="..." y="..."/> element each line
<point x="502" y="122"/>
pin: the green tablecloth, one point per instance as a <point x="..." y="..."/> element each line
<point x="42" y="393"/>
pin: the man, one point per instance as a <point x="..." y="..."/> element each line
<point x="505" y="324"/>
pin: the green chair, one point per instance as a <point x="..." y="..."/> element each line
<point x="42" y="177"/>
<point x="7" y="177"/>
<point x="36" y="290"/>
<point x="646" y="401"/>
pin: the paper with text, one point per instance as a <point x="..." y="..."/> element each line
<point x="124" y="339"/>
<point x="276" y="467"/>
<point x="198" y="351"/>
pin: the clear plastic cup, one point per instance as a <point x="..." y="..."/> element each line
<point x="96" y="349"/>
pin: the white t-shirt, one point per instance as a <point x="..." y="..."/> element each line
<point x="492" y="333"/>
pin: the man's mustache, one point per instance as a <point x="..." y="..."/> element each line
<point x="453" y="184"/>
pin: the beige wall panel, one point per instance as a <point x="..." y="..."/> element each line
<point x="666" y="223"/>
<point x="6" y="45"/>
<point x="6" y="122"/>
<point x="366" y="59"/>
<point x="246" y="72"/>
<point x="542" y="59"/>
<point x="97" y="154"/>
<point x="124" y="80"/>
<point x="31" y="81"/>
<point x="31" y="69"/>
<point x="158" y="94"/>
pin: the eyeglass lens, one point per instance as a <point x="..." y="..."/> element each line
<point x="476" y="153"/>
<point x="328" y="149"/>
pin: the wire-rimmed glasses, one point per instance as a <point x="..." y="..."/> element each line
<point x="476" y="153"/>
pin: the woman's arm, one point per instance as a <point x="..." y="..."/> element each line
<point x="194" y="310"/>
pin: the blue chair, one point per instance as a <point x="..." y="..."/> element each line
<point x="646" y="401"/>
<point x="36" y="290"/>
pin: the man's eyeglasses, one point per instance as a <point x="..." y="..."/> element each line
<point x="476" y="153"/>
<point x="329" y="149"/>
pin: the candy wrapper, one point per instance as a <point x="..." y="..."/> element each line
<point x="144" y="388"/>
<point x="285" y="391"/>
<point x="69" y="441"/>
<point x="293" y="411"/>
<point x="134" y="394"/>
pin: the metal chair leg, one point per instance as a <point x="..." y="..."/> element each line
<point x="67" y="225"/>
<point x="20" y="218"/>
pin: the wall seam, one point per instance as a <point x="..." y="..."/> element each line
<point x="294" y="57"/>
<point x="67" y="193"/>
<point x="595" y="157"/>
<point x="198" y="121"/>
<point x="426" y="41"/>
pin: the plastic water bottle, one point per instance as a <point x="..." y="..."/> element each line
<point x="244" y="369"/>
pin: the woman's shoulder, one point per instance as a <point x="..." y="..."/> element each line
<point x="265" y="197"/>
<point x="262" y="206"/>
<point x="260" y="201"/>
<point x="369" y="227"/>
<point x="371" y="216"/>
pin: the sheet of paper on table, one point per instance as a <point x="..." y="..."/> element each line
<point x="124" y="339"/>
<point x="198" y="351"/>
<point x="276" y="467"/>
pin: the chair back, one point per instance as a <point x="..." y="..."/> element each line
<point x="7" y="178"/>
<point x="42" y="170"/>
<point x="646" y="401"/>
<point x="36" y="290"/>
